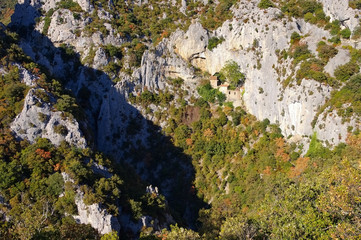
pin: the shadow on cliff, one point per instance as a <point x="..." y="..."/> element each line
<point x="158" y="162"/>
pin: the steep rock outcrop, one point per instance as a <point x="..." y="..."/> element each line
<point x="38" y="119"/>
<point x="93" y="214"/>
<point x="64" y="28"/>
<point x="96" y="216"/>
<point x="331" y="128"/>
<point x="159" y="64"/>
<point x="252" y="39"/>
<point x="340" y="10"/>
<point x="191" y="44"/>
<point x="84" y="4"/>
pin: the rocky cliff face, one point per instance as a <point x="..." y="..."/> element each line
<point x="93" y="214"/>
<point x="96" y="216"/>
<point x="39" y="118"/>
<point x="340" y="10"/>
<point x="252" y="40"/>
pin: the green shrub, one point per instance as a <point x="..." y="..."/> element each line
<point x="309" y="17"/>
<point x="210" y="94"/>
<point x="113" y="51"/>
<point x="112" y="67"/>
<point x="313" y="69"/>
<point x="334" y="27"/>
<point x="15" y="92"/>
<point x="60" y="129"/>
<point x="320" y="15"/>
<point x="295" y="37"/>
<point x="176" y="82"/>
<point x="335" y="39"/>
<point x="69" y="4"/>
<point x="67" y="104"/>
<point x="76" y="16"/>
<point x="346" y="33"/>
<point x="350" y="93"/>
<point x="47" y="21"/>
<point x="344" y="72"/>
<point x="213" y="42"/>
<point x="42" y="117"/>
<point x="232" y="72"/>
<point x="325" y="51"/>
<point x="301" y="53"/>
<point x="305" y="9"/>
<point x="355" y="4"/>
<point x="67" y="52"/>
<point x="265" y="4"/>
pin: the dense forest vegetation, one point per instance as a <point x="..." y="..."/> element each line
<point x="259" y="186"/>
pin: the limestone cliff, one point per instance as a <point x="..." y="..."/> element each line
<point x="252" y="39"/>
<point x="39" y="118"/>
<point x="340" y="10"/>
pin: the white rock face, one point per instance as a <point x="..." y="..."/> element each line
<point x="96" y="216"/>
<point x="340" y="10"/>
<point x="342" y="57"/>
<point x="85" y="5"/>
<point x="62" y="26"/>
<point x="49" y="4"/>
<point x="100" y="59"/>
<point x="26" y="77"/>
<point x="37" y="119"/>
<point x="158" y="65"/>
<point x="330" y="127"/>
<point x="193" y="42"/>
<point x="251" y="40"/>
<point x="93" y="214"/>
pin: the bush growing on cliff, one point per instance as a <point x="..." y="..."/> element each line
<point x="265" y="4"/>
<point x="357" y="32"/>
<point x="355" y="4"/>
<point x="213" y="42"/>
<point x="232" y="72"/>
<point x="69" y="4"/>
<point x="113" y="51"/>
<point x="346" y="33"/>
<point x="295" y="37"/>
<point x="300" y="53"/>
<point x="344" y="72"/>
<point x="326" y="51"/>
<point x="47" y="21"/>
<point x="60" y="129"/>
<point x="310" y="10"/>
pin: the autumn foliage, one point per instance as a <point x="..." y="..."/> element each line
<point x="43" y="154"/>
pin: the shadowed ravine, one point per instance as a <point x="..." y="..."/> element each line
<point x="114" y="126"/>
